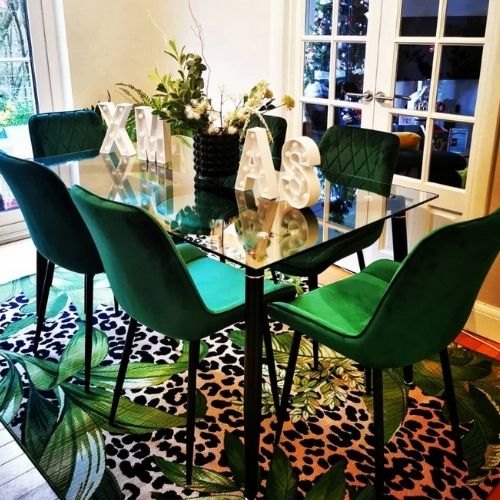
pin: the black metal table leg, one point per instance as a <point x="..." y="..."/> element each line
<point x="41" y="270"/>
<point x="254" y="310"/>
<point x="399" y="237"/>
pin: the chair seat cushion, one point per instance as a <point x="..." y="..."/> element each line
<point x="222" y="286"/>
<point x="343" y="308"/>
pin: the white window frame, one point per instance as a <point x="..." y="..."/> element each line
<point x="50" y="55"/>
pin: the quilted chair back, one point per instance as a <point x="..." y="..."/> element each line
<point x="359" y="158"/>
<point x="65" y="132"/>
<point x="53" y="221"/>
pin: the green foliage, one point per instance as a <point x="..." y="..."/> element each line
<point x="235" y="452"/>
<point x="178" y="91"/>
<point x="282" y="481"/>
<point x="331" y="486"/>
<point x="204" y="480"/>
<point x="63" y="424"/>
<point x="476" y="390"/>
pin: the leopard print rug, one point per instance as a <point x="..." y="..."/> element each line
<point x="329" y="420"/>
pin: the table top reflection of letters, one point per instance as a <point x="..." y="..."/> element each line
<point x="265" y="231"/>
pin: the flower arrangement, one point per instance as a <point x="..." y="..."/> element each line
<point x="181" y="100"/>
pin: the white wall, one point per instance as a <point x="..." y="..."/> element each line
<point x="116" y="40"/>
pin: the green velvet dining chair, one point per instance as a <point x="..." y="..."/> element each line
<point x="355" y="158"/>
<point x="59" y="234"/>
<point x="176" y="291"/>
<point x="392" y="315"/>
<point x="63" y="132"/>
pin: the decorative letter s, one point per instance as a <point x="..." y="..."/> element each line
<point x="299" y="183"/>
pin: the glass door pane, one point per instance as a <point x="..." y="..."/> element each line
<point x="17" y="93"/>
<point x="335" y="51"/>
<point x="435" y="88"/>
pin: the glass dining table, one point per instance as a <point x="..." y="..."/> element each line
<point x="242" y="228"/>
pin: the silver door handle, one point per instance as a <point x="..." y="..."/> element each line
<point x="367" y="95"/>
<point x="381" y="97"/>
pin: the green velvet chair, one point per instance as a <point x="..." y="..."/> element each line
<point x="356" y="158"/>
<point x="179" y="292"/>
<point x="63" y="132"/>
<point x="58" y="233"/>
<point x="393" y="315"/>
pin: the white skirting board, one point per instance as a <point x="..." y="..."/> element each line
<point x="485" y="321"/>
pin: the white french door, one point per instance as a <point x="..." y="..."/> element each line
<point x="421" y="69"/>
<point x="33" y="78"/>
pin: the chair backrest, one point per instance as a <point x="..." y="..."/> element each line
<point x="277" y="126"/>
<point x="65" y="132"/>
<point x="145" y="270"/>
<point x="359" y="158"/>
<point x="431" y="296"/>
<point x="54" y="223"/>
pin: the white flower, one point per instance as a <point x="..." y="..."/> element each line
<point x="191" y="113"/>
<point x="213" y="129"/>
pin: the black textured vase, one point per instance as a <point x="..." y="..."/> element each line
<point x="216" y="155"/>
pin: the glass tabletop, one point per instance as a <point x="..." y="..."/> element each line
<point x="237" y="225"/>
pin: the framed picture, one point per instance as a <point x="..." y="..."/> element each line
<point x="457" y="141"/>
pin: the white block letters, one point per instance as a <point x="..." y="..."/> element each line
<point x="299" y="183"/>
<point x="256" y="165"/>
<point x="153" y="136"/>
<point x="116" y="135"/>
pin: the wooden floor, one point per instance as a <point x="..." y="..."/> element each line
<point x="19" y="478"/>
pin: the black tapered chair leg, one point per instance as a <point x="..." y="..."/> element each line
<point x="312" y="284"/>
<point x="42" y="307"/>
<point x="408" y="375"/>
<point x="287" y="385"/>
<point x="271" y="365"/>
<point x="89" y="310"/>
<point x="194" y="357"/>
<point x="116" y="305"/>
<point x="451" y="401"/>
<point x="127" y="350"/>
<point x="41" y="271"/>
<point x="368" y="380"/>
<point x="274" y="276"/>
<point x="378" y="419"/>
<point x="361" y="259"/>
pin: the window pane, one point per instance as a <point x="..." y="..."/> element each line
<point x="350" y="70"/>
<point x="315" y="118"/>
<point x="353" y="19"/>
<point x="347" y="116"/>
<point x="419" y="18"/>
<point x="413" y="76"/>
<point x="458" y="79"/>
<point x="319" y="17"/>
<point x="316" y="69"/>
<point x="16" y="93"/>
<point x="16" y="88"/>
<point x="450" y="153"/>
<point x="466" y="18"/>
<point x="410" y="130"/>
